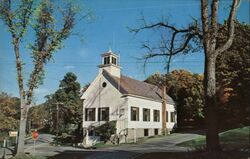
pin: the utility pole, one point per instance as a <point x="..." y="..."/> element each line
<point x="57" y="119"/>
<point x="164" y="98"/>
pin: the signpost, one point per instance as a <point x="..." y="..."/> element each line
<point x="34" y="137"/>
<point x="13" y="133"/>
<point x="4" y="147"/>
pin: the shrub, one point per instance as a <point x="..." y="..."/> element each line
<point x="106" y="130"/>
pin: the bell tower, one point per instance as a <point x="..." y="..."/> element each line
<point x="110" y="64"/>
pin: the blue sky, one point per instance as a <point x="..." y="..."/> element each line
<point x="107" y="29"/>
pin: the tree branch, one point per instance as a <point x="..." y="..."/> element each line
<point x="230" y="29"/>
<point x="205" y="24"/>
<point x="167" y="47"/>
<point x="7" y="16"/>
<point x="43" y="49"/>
<point x="25" y="15"/>
<point x="214" y="25"/>
<point x="19" y="68"/>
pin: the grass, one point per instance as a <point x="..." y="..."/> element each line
<point x="231" y="139"/>
<point x="102" y="145"/>
<point x="193" y="155"/>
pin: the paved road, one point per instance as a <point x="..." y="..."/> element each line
<point x="128" y="151"/>
<point x="43" y="140"/>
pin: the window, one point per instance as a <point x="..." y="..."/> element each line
<point x="134" y="114"/>
<point x="156" y="132"/>
<point x="103" y="114"/>
<point x="113" y="60"/>
<point x="90" y="114"/>
<point x="91" y="133"/>
<point x="166" y="116"/>
<point x="156" y="115"/>
<point x="104" y="84"/>
<point x="106" y="60"/>
<point x="145" y="132"/>
<point x="146" y="114"/>
<point x="172" y="116"/>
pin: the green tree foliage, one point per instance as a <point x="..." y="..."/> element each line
<point x="233" y="77"/>
<point x="187" y="91"/>
<point x="48" y="25"/>
<point x="106" y="130"/>
<point x="69" y="107"/>
<point x="9" y="114"/>
<point x="38" y="117"/>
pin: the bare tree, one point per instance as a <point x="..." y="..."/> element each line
<point x="190" y="39"/>
<point x="19" y="17"/>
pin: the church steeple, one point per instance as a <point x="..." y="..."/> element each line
<point x="110" y="63"/>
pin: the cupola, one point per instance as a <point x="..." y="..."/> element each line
<point x="110" y="64"/>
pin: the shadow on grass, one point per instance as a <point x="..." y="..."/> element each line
<point x="153" y="155"/>
<point x="94" y="155"/>
<point x="193" y="155"/>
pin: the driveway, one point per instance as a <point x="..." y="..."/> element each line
<point x="159" y="144"/>
<point x="131" y="151"/>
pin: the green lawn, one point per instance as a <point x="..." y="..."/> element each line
<point x="231" y="139"/>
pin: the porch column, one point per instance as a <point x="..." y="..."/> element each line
<point x="134" y="135"/>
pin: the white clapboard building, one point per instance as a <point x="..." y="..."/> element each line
<point x="136" y="106"/>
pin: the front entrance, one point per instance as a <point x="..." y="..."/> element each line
<point x="145" y="132"/>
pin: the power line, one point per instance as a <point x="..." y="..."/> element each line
<point x="95" y="62"/>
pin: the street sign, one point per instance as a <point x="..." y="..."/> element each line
<point x="35" y="135"/>
<point x="13" y="133"/>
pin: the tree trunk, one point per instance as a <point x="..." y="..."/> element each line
<point x="211" y="110"/>
<point x="22" y="129"/>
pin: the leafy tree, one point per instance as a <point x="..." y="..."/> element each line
<point x="37" y="18"/>
<point x="84" y="88"/>
<point x="38" y="117"/>
<point x="106" y="130"/>
<point x="189" y="39"/>
<point x="233" y="77"/>
<point x="9" y="112"/>
<point x="187" y="91"/>
<point x="70" y="108"/>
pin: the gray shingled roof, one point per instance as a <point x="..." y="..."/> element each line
<point x="131" y="86"/>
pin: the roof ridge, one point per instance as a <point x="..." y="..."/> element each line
<point x="140" y="81"/>
<point x="128" y="85"/>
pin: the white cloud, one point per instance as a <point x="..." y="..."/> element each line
<point x="69" y="67"/>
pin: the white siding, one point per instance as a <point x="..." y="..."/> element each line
<point x="96" y="96"/>
<point x="152" y="105"/>
<point x="170" y="108"/>
<point x="143" y="103"/>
